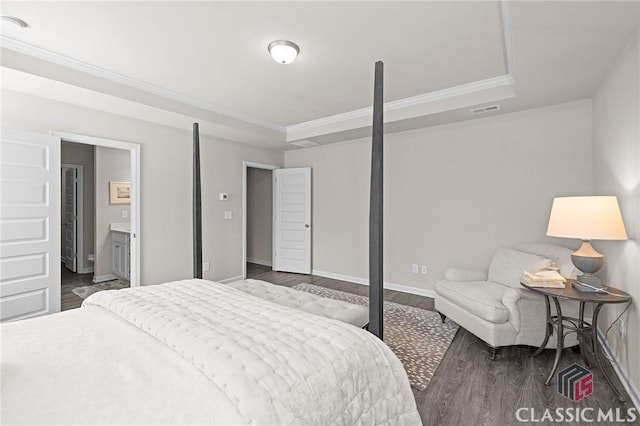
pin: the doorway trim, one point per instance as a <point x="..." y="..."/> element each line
<point x="80" y="269"/>
<point x="134" y="150"/>
<point x="246" y="165"/>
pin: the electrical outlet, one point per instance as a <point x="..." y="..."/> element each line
<point x="228" y="214"/>
<point x="414" y="268"/>
<point x="206" y="266"/>
<point x="423" y="270"/>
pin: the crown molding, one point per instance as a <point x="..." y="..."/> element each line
<point x="75" y="64"/>
<point x="426" y="98"/>
<point x="289" y="131"/>
<point x="34" y="85"/>
<point x="507" y="32"/>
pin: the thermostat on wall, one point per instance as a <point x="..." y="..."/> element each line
<point x="224" y="196"/>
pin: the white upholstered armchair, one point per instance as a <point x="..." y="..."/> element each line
<point x="493" y="305"/>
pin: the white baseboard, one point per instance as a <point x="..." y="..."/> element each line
<point x="259" y="262"/>
<point x="411" y="290"/>
<point x="102" y="278"/>
<point x="230" y="280"/>
<point x="621" y="372"/>
<point x="88" y="270"/>
<point x="389" y="286"/>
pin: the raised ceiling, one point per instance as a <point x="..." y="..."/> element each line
<point x="209" y="60"/>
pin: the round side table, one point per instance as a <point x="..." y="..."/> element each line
<point x="583" y="328"/>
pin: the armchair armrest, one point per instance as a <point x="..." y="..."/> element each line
<point x="460" y="274"/>
<point x="517" y="300"/>
<point x="510" y="299"/>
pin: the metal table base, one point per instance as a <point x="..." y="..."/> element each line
<point x="585" y="331"/>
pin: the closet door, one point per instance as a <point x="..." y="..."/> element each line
<point x="292" y="220"/>
<point x="29" y="225"/>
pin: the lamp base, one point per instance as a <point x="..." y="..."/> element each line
<point x="588" y="261"/>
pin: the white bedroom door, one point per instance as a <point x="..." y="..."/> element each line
<point x="70" y="219"/>
<point x="29" y="225"/>
<point x="292" y="220"/>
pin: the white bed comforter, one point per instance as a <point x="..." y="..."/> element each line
<point x="197" y="352"/>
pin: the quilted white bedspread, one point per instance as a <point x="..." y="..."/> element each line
<point x="199" y="352"/>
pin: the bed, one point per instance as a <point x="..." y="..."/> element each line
<point x="197" y="352"/>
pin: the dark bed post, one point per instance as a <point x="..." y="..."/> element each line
<point x="197" y="206"/>
<point x="376" y="281"/>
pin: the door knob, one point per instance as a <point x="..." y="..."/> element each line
<point x="306" y="225"/>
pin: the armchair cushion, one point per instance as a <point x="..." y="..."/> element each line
<point x="481" y="298"/>
<point x="508" y="264"/>
<point x="460" y="274"/>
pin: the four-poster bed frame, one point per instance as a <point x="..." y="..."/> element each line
<point x="197" y="205"/>
<point x="376" y="280"/>
<point x="227" y="351"/>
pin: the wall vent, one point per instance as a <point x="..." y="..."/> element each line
<point x="304" y="143"/>
<point x="485" y="109"/>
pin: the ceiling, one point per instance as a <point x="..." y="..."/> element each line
<point x="209" y="61"/>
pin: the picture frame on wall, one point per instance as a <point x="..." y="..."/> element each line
<point x="119" y="192"/>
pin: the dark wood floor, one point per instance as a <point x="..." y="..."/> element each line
<point x="70" y="281"/>
<point x="469" y="388"/>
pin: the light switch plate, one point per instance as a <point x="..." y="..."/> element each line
<point x="228" y="215"/>
<point x="125" y="214"/>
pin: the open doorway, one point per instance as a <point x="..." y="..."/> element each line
<point x="77" y="220"/>
<point x="257" y="215"/>
<point x="276" y="213"/>
<point x="100" y="209"/>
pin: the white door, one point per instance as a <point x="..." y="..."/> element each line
<point x="71" y="219"/>
<point x="29" y="225"/>
<point x="292" y="220"/>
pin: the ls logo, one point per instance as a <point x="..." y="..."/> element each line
<point x="575" y="382"/>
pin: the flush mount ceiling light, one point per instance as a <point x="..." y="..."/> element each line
<point x="283" y="51"/>
<point x="12" y="23"/>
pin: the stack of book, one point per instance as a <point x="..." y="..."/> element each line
<point x="550" y="279"/>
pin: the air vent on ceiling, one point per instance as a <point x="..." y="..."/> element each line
<point x="304" y="143"/>
<point x="485" y="109"/>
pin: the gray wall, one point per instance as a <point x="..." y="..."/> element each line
<point x="112" y="165"/>
<point x="453" y="193"/>
<point x="73" y="153"/>
<point x="166" y="168"/>
<point x="259" y="215"/>
<point x="616" y="171"/>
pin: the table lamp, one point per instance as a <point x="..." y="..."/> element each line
<point x="587" y="218"/>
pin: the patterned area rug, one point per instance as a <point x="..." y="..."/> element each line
<point x="416" y="336"/>
<point x="88" y="290"/>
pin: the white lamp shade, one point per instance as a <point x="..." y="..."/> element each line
<point x="283" y="51"/>
<point x="587" y="218"/>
